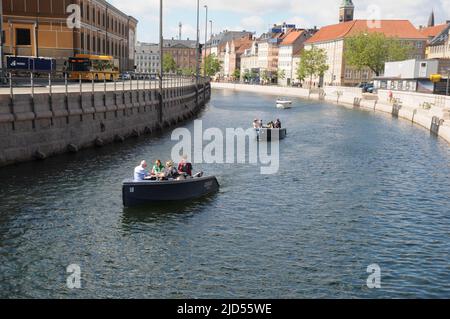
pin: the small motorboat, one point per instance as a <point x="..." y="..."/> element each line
<point x="266" y="134"/>
<point x="145" y="192"/>
<point x="284" y="104"/>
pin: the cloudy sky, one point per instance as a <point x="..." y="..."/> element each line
<point x="257" y="15"/>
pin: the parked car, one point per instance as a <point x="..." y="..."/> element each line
<point x="361" y="85"/>
<point x="125" y="76"/>
<point x="368" y="88"/>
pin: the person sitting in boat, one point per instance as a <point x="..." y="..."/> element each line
<point x="256" y="124"/>
<point x="158" y="169"/>
<point x="170" y="171"/>
<point x="185" y="167"/>
<point x="270" y="125"/>
<point x="277" y="124"/>
<point x="140" y="172"/>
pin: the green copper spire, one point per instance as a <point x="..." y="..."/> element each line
<point x="347" y="3"/>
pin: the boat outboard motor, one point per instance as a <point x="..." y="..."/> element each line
<point x="198" y="175"/>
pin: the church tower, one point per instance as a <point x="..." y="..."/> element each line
<point x="346" y="11"/>
<point x="431" y="20"/>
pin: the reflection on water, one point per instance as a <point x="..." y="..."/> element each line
<point x="354" y="188"/>
<point x="159" y="212"/>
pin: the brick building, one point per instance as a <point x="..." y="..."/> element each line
<point x="43" y="28"/>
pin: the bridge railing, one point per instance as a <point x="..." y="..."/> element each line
<point x="34" y="82"/>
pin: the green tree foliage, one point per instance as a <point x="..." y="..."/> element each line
<point x="212" y="65"/>
<point x="247" y="76"/>
<point x="187" y="71"/>
<point x="312" y="63"/>
<point x="281" y="74"/>
<point x="237" y="74"/>
<point x="265" y="76"/>
<point x="169" y="64"/>
<point x="373" y="50"/>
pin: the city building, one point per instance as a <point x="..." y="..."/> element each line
<point x="439" y="46"/>
<point x="219" y="40"/>
<point x="234" y="50"/>
<point x="332" y="40"/>
<point x="43" y="28"/>
<point x="291" y="45"/>
<point x="249" y="62"/>
<point x="183" y="52"/>
<point x="268" y="48"/>
<point x="147" y="58"/>
<point x="217" y="45"/>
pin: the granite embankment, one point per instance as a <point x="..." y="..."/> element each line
<point x="39" y="126"/>
<point x="427" y="110"/>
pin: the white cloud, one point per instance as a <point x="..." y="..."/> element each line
<point x="257" y="15"/>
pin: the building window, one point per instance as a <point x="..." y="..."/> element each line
<point x="348" y="73"/>
<point x="23" y="37"/>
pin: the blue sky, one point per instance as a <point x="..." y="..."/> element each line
<point x="257" y="15"/>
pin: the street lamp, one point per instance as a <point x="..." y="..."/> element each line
<point x="206" y="39"/>
<point x="197" y="56"/>
<point x="160" y="59"/>
<point x="448" y="82"/>
<point x="1" y="41"/>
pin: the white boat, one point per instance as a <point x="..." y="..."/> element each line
<point x="284" y="104"/>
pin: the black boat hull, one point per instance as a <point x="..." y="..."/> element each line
<point x="266" y="134"/>
<point x="139" y="193"/>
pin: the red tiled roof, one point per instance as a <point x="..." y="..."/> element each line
<point x="402" y="29"/>
<point x="431" y="32"/>
<point x="292" y="37"/>
<point x="243" y="45"/>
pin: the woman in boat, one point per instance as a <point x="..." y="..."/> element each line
<point x="158" y="169"/>
<point x="185" y="167"/>
<point x="170" y="171"/>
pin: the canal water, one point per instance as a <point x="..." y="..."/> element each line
<point x="354" y="189"/>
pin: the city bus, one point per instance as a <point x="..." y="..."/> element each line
<point x="93" y="67"/>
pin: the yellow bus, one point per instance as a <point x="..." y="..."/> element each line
<point x="93" y="67"/>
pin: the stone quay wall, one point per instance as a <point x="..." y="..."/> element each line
<point x="45" y="125"/>
<point x="427" y="110"/>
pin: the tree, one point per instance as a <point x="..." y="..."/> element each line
<point x="281" y="75"/>
<point x="212" y="65"/>
<point x="312" y="63"/>
<point x="265" y="76"/>
<point x="187" y="71"/>
<point x="247" y="76"/>
<point x="169" y="64"/>
<point x="237" y="74"/>
<point x="373" y="50"/>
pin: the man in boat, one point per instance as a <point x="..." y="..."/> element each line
<point x="185" y="167"/>
<point x="256" y="124"/>
<point x="140" y="172"/>
<point x="277" y="124"/>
